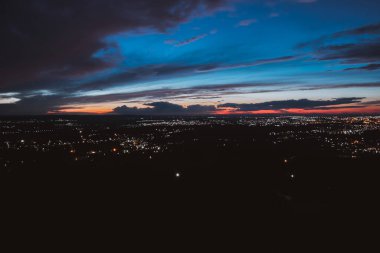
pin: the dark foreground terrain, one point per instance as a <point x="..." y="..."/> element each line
<point x="219" y="178"/>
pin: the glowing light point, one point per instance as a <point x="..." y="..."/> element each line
<point x="177" y="174"/>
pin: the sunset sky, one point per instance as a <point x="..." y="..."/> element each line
<point x="158" y="57"/>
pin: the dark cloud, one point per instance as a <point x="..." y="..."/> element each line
<point x="371" y="29"/>
<point x="165" y="108"/>
<point x="35" y="105"/>
<point x="373" y="103"/>
<point x="369" y="67"/>
<point x="200" y="109"/>
<point x="293" y="104"/>
<point x="161" y="71"/>
<point x="59" y="38"/>
<point x="361" y="52"/>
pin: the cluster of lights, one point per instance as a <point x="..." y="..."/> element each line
<point x="343" y="134"/>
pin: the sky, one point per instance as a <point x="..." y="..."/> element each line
<point x="177" y="57"/>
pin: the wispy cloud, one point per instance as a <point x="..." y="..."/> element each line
<point x="214" y="31"/>
<point x="342" y="86"/>
<point x="294" y="104"/>
<point x="9" y="98"/>
<point x="306" y="1"/>
<point x="274" y="15"/>
<point x="246" y="22"/>
<point x="191" y="40"/>
<point x="170" y="42"/>
<point x="371" y="29"/>
<point x="275" y="2"/>
<point x="216" y="67"/>
<point x="362" y="50"/>
<point x="369" y="67"/>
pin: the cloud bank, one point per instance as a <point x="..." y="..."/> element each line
<point x="51" y="41"/>
<point x="165" y="108"/>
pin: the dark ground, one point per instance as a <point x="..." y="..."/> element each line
<point x="233" y="195"/>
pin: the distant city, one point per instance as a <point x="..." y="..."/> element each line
<point x="88" y="139"/>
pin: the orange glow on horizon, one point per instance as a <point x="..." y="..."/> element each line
<point x="84" y="110"/>
<point x="233" y="111"/>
